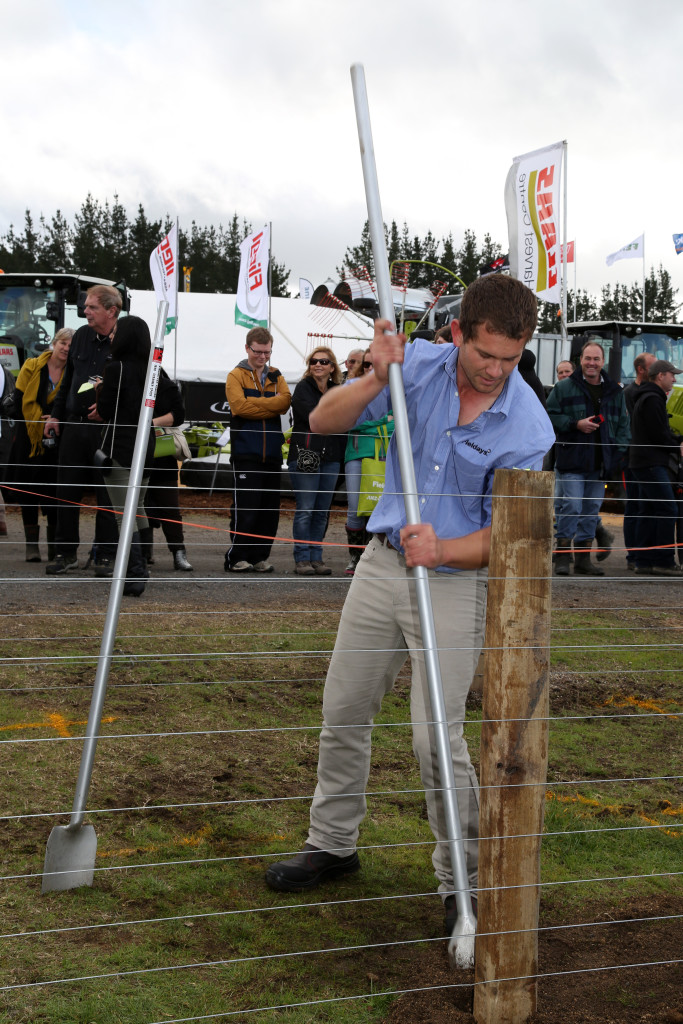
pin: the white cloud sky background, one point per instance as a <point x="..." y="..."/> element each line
<point x="203" y="109"/>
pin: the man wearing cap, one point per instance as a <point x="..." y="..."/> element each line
<point x="654" y="460"/>
<point x="641" y="365"/>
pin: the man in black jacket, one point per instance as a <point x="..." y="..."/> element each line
<point x="591" y="423"/>
<point x="654" y="459"/>
<point x="75" y="421"/>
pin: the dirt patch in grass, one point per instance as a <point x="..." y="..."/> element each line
<point x="580" y="990"/>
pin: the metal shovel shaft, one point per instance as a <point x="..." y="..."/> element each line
<point x="402" y="433"/>
<point x="116" y="593"/>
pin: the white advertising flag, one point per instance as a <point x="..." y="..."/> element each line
<point x="632" y="251"/>
<point x="306" y="289"/>
<point x="532" y="204"/>
<point x="163" y="265"/>
<point x="251" y="305"/>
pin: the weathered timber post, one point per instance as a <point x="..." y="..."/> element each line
<point x="514" y="746"/>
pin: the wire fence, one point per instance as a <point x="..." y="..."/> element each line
<point x="206" y="765"/>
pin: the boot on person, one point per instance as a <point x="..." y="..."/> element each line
<point x="180" y="560"/>
<point x="354" y="538"/>
<point x="147" y="544"/>
<point x="562" y="556"/>
<point x="604" y="538"/>
<point x="32" y="534"/>
<point x="136" y="571"/>
<point x="584" y="567"/>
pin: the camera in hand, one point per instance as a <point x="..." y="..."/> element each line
<point x="50" y="440"/>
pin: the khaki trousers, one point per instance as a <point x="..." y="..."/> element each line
<point x="379" y="629"/>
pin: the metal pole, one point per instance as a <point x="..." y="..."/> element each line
<point x="175" y="325"/>
<point x="644" y="277"/>
<point x="461" y="946"/>
<point x="116" y="593"/>
<point x="564" y="262"/>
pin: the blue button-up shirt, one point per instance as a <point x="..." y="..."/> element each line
<point x="454" y="465"/>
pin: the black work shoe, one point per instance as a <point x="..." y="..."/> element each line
<point x="308" y="869"/>
<point x="62" y="563"/>
<point x="451" y="909"/>
<point x="104" y="568"/>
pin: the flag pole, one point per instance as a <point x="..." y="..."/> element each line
<point x="565" y="253"/>
<point x="643" y="277"/>
<point x="574" y="280"/>
<point x="270" y="272"/>
<point x="175" y="325"/>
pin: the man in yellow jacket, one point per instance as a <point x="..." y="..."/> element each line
<point x="258" y="396"/>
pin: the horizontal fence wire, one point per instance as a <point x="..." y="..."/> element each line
<point x="137" y="660"/>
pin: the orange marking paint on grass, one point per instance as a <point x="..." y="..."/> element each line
<point x="619" y="701"/>
<point x="617" y="810"/>
<point x="56" y="722"/>
<point x="193" y="840"/>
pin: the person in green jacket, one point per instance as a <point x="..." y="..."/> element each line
<point x="360" y="445"/>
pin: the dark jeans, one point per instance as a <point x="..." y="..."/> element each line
<point x="656" y="525"/>
<point x="78" y="442"/>
<point x="255" y="512"/>
<point x="313" y="493"/>
<point x="161" y="501"/>
<point x="631" y="514"/>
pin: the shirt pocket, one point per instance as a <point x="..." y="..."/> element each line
<point x="472" y="470"/>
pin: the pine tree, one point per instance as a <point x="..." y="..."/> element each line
<point x="87" y="246"/>
<point x="143" y="237"/>
<point x="468" y="258"/>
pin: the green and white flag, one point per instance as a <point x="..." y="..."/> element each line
<point x="251" y="305"/>
<point x="632" y="251"/>
<point x="163" y="265"/>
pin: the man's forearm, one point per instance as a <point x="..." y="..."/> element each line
<point x="421" y="546"/>
<point x="339" y="408"/>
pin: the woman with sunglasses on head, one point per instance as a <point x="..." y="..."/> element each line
<point x="314" y="462"/>
<point x="360" y="445"/>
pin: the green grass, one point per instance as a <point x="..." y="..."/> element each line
<point x="271" y="678"/>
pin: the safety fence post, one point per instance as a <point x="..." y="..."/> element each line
<point x="514" y="746"/>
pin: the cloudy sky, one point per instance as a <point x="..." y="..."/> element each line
<point x="199" y="108"/>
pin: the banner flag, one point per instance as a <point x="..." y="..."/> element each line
<point x="678" y="243"/>
<point x="251" y="304"/>
<point x="532" y="204"/>
<point x="306" y="289"/>
<point x="632" y="251"/>
<point x="163" y="266"/>
<point x="569" y="258"/>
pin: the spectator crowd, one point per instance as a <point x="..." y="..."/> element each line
<point x="68" y="423"/>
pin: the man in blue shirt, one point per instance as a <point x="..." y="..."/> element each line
<point x="470" y="413"/>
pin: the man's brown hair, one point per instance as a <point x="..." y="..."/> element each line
<point x="503" y="304"/>
<point x="259" y="336"/>
<point x="107" y="297"/>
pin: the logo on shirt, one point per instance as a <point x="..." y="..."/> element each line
<point x="482" y="451"/>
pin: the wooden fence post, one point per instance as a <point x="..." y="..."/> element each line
<point x="514" y="746"/>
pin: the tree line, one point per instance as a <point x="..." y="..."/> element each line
<point x="103" y="241"/>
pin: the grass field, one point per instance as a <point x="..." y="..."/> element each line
<point x="179" y="923"/>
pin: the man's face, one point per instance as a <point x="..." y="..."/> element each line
<point x="352" y="362"/>
<point x="487" y="359"/>
<point x="564" y="369"/>
<point x="258" y="355"/>
<point x="666" y="381"/>
<point x="641" y="370"/>
<point x="592" y="362"/>
<point x="100" y="319"/>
